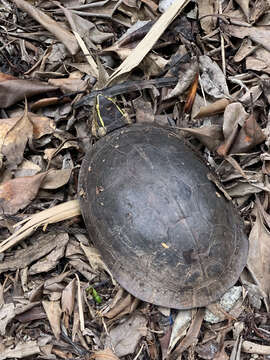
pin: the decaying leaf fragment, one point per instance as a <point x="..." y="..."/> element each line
<point x="259" y="253"/>
<point x="53" y="311"/>
<point x="51" y="25"/>
<point x="14" y="138"/>
<point x="212" y="78"/>
<point x="21" y="351"/>
<point x="13" y="90"/>
<point x="105" y="354"/>
<point x="125" y="337"/>
<point x="17" y="193"/>
<point x="17" y="131"/>
<point x="210" y="136"/>
<point x="7" y="313"/>
<point x="241" y="131"/>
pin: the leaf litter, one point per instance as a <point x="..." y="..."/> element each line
<point x="202" y="67"/>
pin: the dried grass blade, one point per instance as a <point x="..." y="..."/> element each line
<point x="149" y="40"/>
<point x="55" y="214"/>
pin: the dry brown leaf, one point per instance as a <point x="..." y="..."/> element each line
<point x="241" y="131"/>
<point x="16" y="131"/>
<point x="259" y="61"/>
<point x="244" y="5"/>
<point x="244" y="50"/>
<point x="144" y="111"/>
<point x="48" y="23"/>
<point x="206" y="9"/>
<point x="7" y="313"/>
<point x="119" y="307"/>
<point x="51" y="260"/>
<point x="21" y="350"/>
<point x="53" y="312"/>
<point x="214" y="108"/>
<point x="249" y="136"/>
<point x="105" y="354"/>
<point x="259" y="254"/>
<point x="21" y="258"/>
<point x="68" y="298"/>
<point x="17" y="193"/>
<point x="13" y="90"/>
<point x="259" y="35"/>
<point x="125" y="337"/>
<point x="13" y="138"/>
<point x="71" y="84"/>
<point x="186" y="76"/>
<point x="212" y="78"/>
<point x="259" y="8"/>
<point x="4" y="77"/>
<point x="56" y="178"/>
<point x="27" y="168"/>
<point x="210" y="136"/>
<point x="193" y="332"/>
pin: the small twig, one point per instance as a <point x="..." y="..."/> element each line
<point x="222" y="44"/>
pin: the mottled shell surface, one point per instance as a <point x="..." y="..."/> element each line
<point x="164" y="231"/>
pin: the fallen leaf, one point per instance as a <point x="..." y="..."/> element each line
<point x="105" y="354"/>
<point x="244" y="5"/>
<point x="53" y="312"/>
<point x="119" y="307"/>
<point x="259" y="254"/>
<point x="214" y="108"/>
<point x="180" y="326"/>
<point x="21" y="350"/>
<point x="68" y="298"/>
<point x="144" y="111"/>
<point x="210" y="136"/>
<point x="259" y="61"/>
<point x="51" y="25"/>
<point x="71" y="84"/>
<point x="14" y="138"/>
<point x="259" y="35"/>
<point x="7" y="313"/>
<point x="212" y="78"/>
<point x="56" y="178"/>
<point x="191" y="337"/>
<point x="42" y="125"/>
<point x="27" y="168"/>
<point x="249" y="136"/>
<point x="51" y="260"/>
<point x="186" y="76"/>
<point x="13" y="90"/>
<point x="206" y="9"/>
<point x="43" y="246"/>
<point x="125" y="337"/>
<point x="17" y="193"/>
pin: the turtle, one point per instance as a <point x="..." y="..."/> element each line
<point x="165" y="231"/>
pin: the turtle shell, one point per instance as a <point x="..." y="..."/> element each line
<point x="164" y="231"/>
